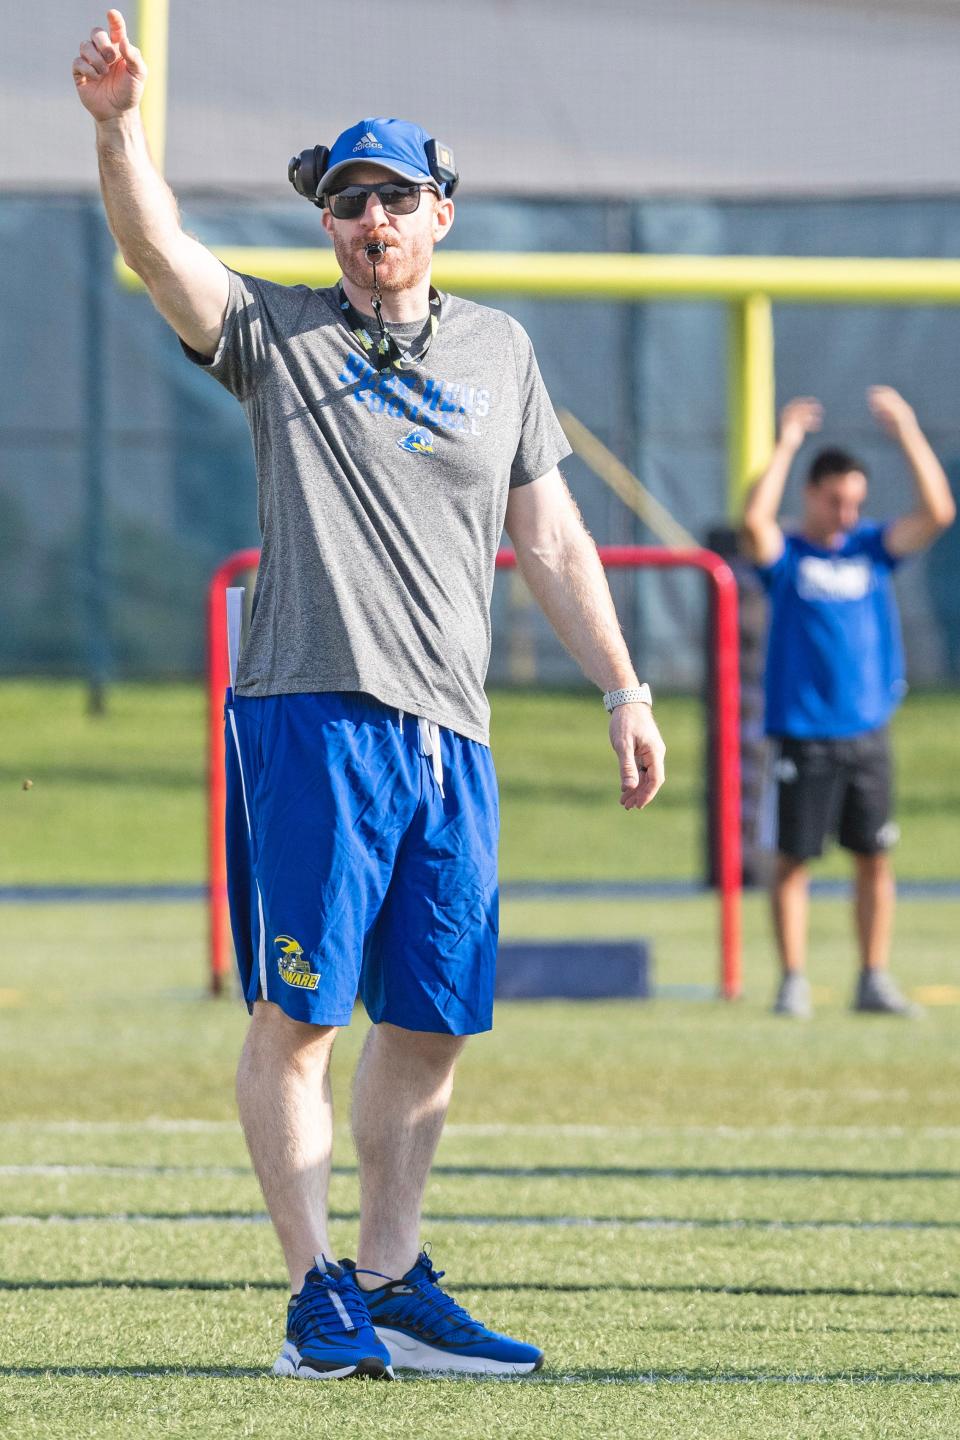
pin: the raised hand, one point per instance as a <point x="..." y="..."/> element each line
<point x="799" y="419"/>
<point x="891" y="410"/>
<point x="109" y="72"/>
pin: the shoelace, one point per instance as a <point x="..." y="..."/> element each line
<point x="324" y="1303"/>
<point x="428" y="1302"/>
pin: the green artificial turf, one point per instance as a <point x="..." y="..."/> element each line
<point x="119" y="798"/>
<point x="796" y="1274"/>
<point x="717" y="1223"/>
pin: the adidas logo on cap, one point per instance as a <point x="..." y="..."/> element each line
<point x="368" y="141"/>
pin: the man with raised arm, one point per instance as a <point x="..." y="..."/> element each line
<point x="834" y="676"/>
<point x="396" y="431"/>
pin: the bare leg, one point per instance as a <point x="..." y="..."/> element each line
<point x="874" y="908"/>
<point x="283" y="1091"/>
<point x="789" y="899"/>
<point x="400" y="1096"/>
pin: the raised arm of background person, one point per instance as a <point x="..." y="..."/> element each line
<point x="935" y="510"/>
<point x="188" y="285"/>
<point x="559" y="562"/>
<point x="760" y="529"/>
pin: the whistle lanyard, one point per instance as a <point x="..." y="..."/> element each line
<point x="384" y="351"/>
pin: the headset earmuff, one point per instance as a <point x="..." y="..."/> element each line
<point x="443" y="167"/>
<point x="306" y="170"/>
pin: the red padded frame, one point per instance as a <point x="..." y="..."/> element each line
<point x="725" y="700"/>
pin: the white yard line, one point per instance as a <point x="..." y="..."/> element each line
<point x="155" y="1124"/>
<point x="131" y="1172"/>
<point x="527" y="1222"/>
<point x="721" y="1132"/>
<point x="506" y="1128"/>
<point x="679" y="1378"/>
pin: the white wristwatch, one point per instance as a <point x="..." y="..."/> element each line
<point x="641" y="693"/>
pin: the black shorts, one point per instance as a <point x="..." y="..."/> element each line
<point x="841" y="788"/>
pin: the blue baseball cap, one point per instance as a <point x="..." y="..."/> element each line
<point x="395" y="145"/>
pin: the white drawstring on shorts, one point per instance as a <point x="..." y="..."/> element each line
<point x="429" y="746"/>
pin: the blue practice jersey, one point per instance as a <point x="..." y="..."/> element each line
<point x="834" y="652"/>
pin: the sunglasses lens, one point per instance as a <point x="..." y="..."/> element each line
<point x="400" y="199"/>
<point x="351" y="202"/>
<point x="348" y="204"/>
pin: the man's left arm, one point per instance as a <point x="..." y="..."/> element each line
<point x="560" y="564"/>
<point x="935" y="510"/>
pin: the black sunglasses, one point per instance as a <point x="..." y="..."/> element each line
<point x="351" y="202"/>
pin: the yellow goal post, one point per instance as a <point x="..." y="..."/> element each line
<point x="747" y="284"/>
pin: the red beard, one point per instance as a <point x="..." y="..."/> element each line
<point x="404" y="265"/>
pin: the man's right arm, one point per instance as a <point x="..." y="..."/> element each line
<point x="188" y="285"/>
<point x="760" y="528"/>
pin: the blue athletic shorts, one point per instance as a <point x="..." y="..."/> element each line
<point x="349" y="873"/>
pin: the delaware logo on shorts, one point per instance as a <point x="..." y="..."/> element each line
<point x="418" y="442"/>
<point x="294" y="966"/>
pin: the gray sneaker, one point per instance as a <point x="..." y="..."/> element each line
<point x="793" y="997"/>
<point x="879" y="994"/>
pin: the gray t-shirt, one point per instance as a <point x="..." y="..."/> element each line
<point x="381" y="496"/>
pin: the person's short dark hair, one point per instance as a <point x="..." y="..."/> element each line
<point x="833" y="462"/>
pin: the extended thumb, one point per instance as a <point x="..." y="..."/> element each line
<point x="629" y="774"/>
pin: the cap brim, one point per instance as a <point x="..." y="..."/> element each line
<point x="402" y="172"/>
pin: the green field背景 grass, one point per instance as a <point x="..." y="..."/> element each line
<point x="119" y="798"/>
<point x="719" y="1225"/>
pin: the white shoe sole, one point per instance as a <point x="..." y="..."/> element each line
<point x="288" y="1365"/>
<point x="410" y="1354"/>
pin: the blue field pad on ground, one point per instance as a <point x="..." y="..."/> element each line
<point x="510" y="890"/>
<point x="100" y="894"/>
<point x="574" y="970"/>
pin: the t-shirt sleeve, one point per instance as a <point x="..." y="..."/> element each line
<point x="875" y="545"/>
<point x="242" y="354"/>
<point x="542" y="443"/>
<point x="770" y="575"/>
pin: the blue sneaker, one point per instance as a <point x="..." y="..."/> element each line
<point x="329" y="1333"/>
<point x="425" y="1329"/>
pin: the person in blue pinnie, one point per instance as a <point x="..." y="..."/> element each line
<point x="834" y="676"/>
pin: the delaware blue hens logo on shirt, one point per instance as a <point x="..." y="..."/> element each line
<point x="419" y="442"/>
<point x="444" y="405"/>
